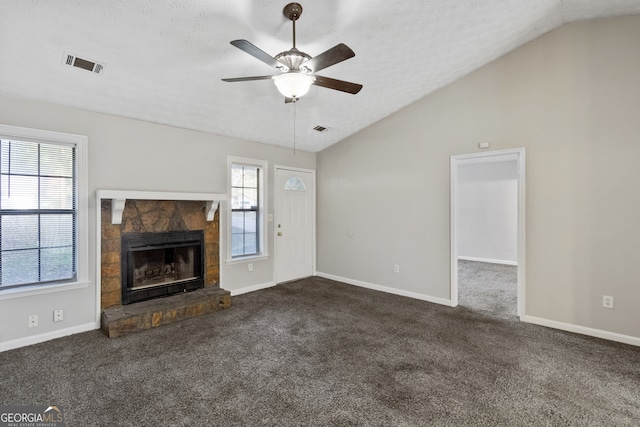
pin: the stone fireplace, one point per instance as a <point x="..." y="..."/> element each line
<point x="159" y="248"/>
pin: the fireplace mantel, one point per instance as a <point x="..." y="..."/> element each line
<point x="119" y="197"/>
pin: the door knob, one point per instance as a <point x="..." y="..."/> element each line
<point x="279" y="233"/>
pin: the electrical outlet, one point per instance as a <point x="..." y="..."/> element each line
<point x="250" y="266"/>
<point x="396" y="268"/>
<point x="33" y="321"/>
<point x="58" y="315"/>
<point x="607" y="301"/>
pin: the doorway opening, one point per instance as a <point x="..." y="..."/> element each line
<point x="488" y="231"/>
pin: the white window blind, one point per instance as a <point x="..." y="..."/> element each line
<point x="245" y="207"/>
<point x="38" y="212"/>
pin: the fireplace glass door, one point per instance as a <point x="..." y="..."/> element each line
<point x="161" y="264"/>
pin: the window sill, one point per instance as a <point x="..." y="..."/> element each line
<point x="246" y="259"/>
<point x="28" y="291"/>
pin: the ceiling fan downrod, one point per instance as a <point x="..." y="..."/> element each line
<point x="293" y="11"/>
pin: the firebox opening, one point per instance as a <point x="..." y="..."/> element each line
<point x="161" y="264"/>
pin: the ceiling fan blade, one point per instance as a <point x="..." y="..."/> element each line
<point x="246" y="79"/>
<point x="256" y="52"/>
<point x="288" y="100"/>
<point x="340" y="85"/>
<point x="330" y="57"/>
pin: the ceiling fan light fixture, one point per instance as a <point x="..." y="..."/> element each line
<point x="298" y="69"/>
<point x="293" y="84"/>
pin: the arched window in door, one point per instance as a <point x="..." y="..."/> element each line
<point x="295" y="183"/>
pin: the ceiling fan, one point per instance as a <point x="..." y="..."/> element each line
<point x="297" y="68"/>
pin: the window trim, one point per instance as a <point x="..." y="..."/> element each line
<point x="263" y="249"/>
<point x="82" y="232"/>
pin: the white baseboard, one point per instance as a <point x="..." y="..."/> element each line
<point x="252" y="288"/>
<point x="488" y="260"/>
<point x="36" y="339"/>
<point x="386" y="289"/>
<point x="583" y="330"/>
<point x="598" y="333"/>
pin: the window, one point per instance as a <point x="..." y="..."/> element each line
<point x="244" y="210"/>
<point x="39" y="208"/>
<point x="246" y="232"/>
<point x="295" y="183"/>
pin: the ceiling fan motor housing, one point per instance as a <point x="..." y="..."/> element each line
<point x="293" y="59"/>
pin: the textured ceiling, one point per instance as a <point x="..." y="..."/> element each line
<point x="165" y="58"/>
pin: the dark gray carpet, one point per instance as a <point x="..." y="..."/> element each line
<point x="488" y="288"/>
<point x="318" y="352"/>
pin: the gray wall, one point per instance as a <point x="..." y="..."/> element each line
<point x="487" y="214"/>
<point x="128" y="154"/>
<point x="571" y="98"/>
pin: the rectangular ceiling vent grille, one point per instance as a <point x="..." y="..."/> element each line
<point x="85" y="64"/>
<point x="320" y="128"/>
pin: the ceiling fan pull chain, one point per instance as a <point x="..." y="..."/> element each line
<point x="294" y="126"/>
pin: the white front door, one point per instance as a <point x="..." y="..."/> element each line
<point x="294" y="224"/>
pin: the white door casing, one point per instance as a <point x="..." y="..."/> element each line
<point x="517" y="154"/>
<point x="294" y="225"/>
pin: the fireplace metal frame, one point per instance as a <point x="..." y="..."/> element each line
<point x="131" y="243"/>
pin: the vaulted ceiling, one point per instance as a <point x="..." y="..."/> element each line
<point x="164" y="59"/>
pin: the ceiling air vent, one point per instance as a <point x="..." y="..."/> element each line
<point x="85" y="64"/>
<point x="320" y="128"/>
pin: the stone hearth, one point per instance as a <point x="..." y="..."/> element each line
<point x="124" y="319"/>
<point x="156" y="216"/>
